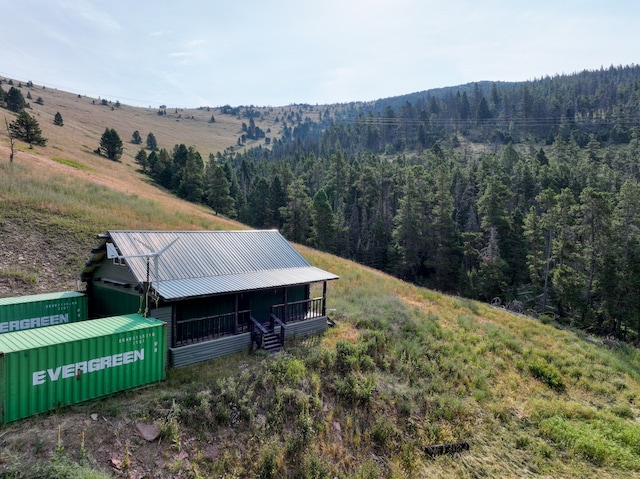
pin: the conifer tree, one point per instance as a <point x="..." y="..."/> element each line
<point x="111" y="144"/>
<point x="297" y="213"/>
<point x="323" y="222"/>
<point x="217" y="189"/>
<point x="14" y="100"/>
<point x="26" y="128"/>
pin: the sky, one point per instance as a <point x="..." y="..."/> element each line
<point x="190" y="53"/>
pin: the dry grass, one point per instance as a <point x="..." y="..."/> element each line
<point x="404" y="368"/>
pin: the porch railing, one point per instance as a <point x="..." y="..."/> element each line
<point x="205" y="328"/>
<point x="299" y="310"/>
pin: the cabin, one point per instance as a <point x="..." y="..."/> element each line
<point x="219" y="292"/>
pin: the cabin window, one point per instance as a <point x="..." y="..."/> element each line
<point x="119" y="261"/>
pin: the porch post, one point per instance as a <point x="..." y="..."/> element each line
<point x="235" y="317"/>
<point x="174" y="326"/>
<point x="324" y="298"/>
<point x="286" y="308"/>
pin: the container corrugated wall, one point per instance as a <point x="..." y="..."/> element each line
<point x="43" y="369"/>
<point x="40" y="310"/>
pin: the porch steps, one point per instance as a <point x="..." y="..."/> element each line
<point x="271" y="342"/>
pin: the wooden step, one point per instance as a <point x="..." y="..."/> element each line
<point x="271" y="342"/>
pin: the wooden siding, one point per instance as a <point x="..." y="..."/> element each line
<point x="305" y="328"/>
<point x="200" y="307"/>
<point x="119" y="272"/>
<point x="204" y="351"/>
<point x="262" y="300"/>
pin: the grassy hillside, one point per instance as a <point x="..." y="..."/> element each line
<point x="404" y="368"/>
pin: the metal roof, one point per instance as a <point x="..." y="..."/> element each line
<point x="33" y="298"/>
<point x="198" y="263"/>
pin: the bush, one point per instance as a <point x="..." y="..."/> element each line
<point x="547" y="373"/>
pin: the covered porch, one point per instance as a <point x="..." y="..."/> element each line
<point x="206" y="337"/>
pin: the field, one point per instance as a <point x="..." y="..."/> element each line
<point x="404" y="368"/>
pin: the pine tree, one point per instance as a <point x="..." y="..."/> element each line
<point x="297" y="213"/>
<point x="323" y="222"/>
<point x="410" y="234"/>
<point x="191" y="177"/>
<point x="258" y="207"/>
<point x="14" y="100"/>
<point x="142" y="160"/>
<point x="217" y="189"/>
<point x="111" y="144"/>
<point x="152" y="144"/>
<point x="26" y="128"/>
<point x="57" y="119"/>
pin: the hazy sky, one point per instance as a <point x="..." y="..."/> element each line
<point x="212" y="52"/>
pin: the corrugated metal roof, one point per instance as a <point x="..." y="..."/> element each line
<point x="197" y="263"/>
<point x="33" y="298"/>
<point x="35" y="338"/>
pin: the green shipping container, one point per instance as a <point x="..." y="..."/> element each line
<point x="43" y="369"/>
<point x="38" y="310"/>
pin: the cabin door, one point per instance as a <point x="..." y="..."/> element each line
<point x="261" y="302"/>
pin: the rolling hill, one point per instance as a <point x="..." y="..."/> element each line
<point x="404" y="369"/>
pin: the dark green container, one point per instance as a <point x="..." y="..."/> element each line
<point x="39" y="310"/>
<point x="46" y="368"/>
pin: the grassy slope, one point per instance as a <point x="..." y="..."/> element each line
<point x="403" y="369"/>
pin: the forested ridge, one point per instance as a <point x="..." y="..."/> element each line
<point x="523" y="193"/>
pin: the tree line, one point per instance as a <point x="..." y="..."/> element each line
<point x="550" y="225"/>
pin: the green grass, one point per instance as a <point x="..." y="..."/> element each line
<point x="404" y="368"/>
<point x="71" y="163"/>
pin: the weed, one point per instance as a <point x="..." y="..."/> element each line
<point x="83" y="450"/>
<point x="269" y="463"/>
<point x="59" y="445"/>
<point x="381" y="432"/>
<point x="355" y="388"/>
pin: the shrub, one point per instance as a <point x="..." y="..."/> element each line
<point x="547" y="373"/>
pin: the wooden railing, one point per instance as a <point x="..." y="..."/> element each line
<point x="195" y="330"/>
<point x="205" y="328"/>
<point x="276" y="321"/>
<point x="257" y="332"/>
<point x="299" y="310"/>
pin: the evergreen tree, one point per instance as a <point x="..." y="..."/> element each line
<point x="14" y="100"/>
<point x="142" y="160"/>
<point x="191" y="184"/>
<point x="277" y="199"/>
<point x="136" y="139"/>
<point x="410" y="233"/>
<point x="260" y="215"/>
<point x="57" y="119"/>
<point x="26" y="128"/>
<point x="152" y="144"/>
<point x="110" y="144"/>
<point x="445" y="256"/>
<point x="323" y="222"/>
<point x="217" y="189"/>
<point x="297" y="213"/>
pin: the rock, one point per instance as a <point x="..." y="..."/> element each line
<point x="336" y="427"/>
<point x="94" y="416"/>
<point x="148" y="431"/>
<point x="212" y="452"/>
<point x="182" y="455"/>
